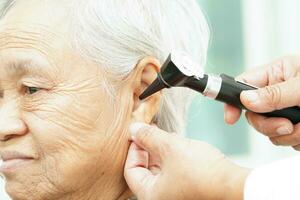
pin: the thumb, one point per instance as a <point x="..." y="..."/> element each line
<point x="273" y="97"/>
<point x="151" y="138"/>
<point x="136" y="170"/>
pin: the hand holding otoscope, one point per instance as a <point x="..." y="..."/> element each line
<point x="280" y="81"/>
<point x="176" y="73"/>
<point x="277" y="105"/>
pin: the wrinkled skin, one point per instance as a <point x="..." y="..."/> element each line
<point x="71" y="127"/>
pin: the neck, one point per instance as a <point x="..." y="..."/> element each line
<point x="110" y="185"/>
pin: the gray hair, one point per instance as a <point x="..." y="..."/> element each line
<point x="5" y="6"/>
<point x="116" y="34"/>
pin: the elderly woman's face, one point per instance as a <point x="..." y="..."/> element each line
<point x="59" y="130"/>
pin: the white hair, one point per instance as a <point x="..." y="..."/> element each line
<point x="117" y="34"/>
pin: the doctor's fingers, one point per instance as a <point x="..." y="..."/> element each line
<point x="231" y="114"/>
<point x="270" y="127"/>
<point x="288" y="140"/>
<point x="273" y="97"/>
<point x="154" y="140"/>
<point x="277" y="71"/>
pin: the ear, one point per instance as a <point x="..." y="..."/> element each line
<point x="145" y="73"/>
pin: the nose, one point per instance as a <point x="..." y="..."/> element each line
<point x="11" y="125"/>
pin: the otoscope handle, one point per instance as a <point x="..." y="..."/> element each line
<point x="230" y="93"/>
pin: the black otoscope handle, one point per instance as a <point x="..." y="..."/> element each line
<point x="230" y="93"/>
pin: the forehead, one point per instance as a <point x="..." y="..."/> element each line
<point x="48" y="12"/>
<point x="35" y="22"/>
<point x="36" y="30"/>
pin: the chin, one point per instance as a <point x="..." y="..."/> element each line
<point x="27" y="183"/>
<point x="28" y="191"/>
<point x="16" y="191"/>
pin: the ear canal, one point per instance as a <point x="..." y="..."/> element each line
<point x="156" y="86"/>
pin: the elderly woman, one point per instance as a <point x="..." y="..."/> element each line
<point x="71" y="73"/>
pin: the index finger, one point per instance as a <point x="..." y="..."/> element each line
<point x="231" y="114"/>
<point x="151" y="138"/>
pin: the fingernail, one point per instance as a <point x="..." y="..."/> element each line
<point x="135" y="127"/>
<point x="248" y="120"/>
<point x="251" y="96"/>
<point x="284" y="130"/>
<point x="132" y="139"/>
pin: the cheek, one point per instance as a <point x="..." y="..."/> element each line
<point x="68" y="123"/>
<point x="79" y="111"/>
<point x="76" y="135"/>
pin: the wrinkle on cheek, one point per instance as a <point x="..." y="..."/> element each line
<point x="26" y="187"/>
<point x="62" y="150"/>
<point x="74" y="115"/>
<point x="50" y="173"/>
<point x="71" y="115"/>
<point x="30" y="104"/>
<point x="66" y="118"/>
<point x="87" y="86"/>
<point x="65" y="151"/>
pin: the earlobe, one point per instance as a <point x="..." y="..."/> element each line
<point x="146" y="73"/>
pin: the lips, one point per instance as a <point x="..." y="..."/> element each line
<point x="12" y="155"/>
<point x="11" y="160"/>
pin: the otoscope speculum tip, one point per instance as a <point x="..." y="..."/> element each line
<point x="174" y="72"/>
<point x="156" y="86"/>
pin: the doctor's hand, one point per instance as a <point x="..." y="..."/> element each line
<point x="162" y="166"/>
<point x="280" y="83"/>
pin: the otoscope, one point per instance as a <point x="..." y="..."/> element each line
<point x="179" y="70"/>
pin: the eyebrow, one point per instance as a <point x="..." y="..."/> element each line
<point x="17" y="67"/>
<point x="21" y="67"/>
<point x="27" y="66"/>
